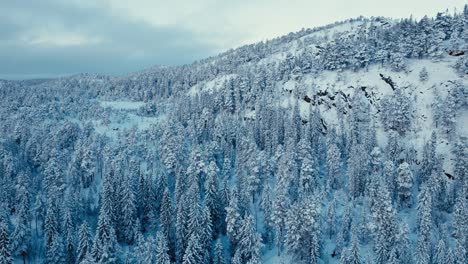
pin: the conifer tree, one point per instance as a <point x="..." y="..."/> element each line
<point x="218" y="257"/>
<point x="405" y="184"/>
<point x="5" y="246"/>
<point x="250" y="242"/>
<point x="162" y="249"/>
<point x="193" y="251"/>
<point x="84" y="243"/>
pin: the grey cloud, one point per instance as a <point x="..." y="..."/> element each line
<point x="124" y="45"/>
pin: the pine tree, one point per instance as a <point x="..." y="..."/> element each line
<point x="140" y="249"/>
<point x="128" y="211"/>
<point x="404" y="247"/>
<point x="333" y="166"/>
<point x="218" y="257"/>
<point x="308" y="177"/>
<point x="162" y="249"/>
<point x="182" y="230"/>
<point x="166" y="221"/>
<point x="266" y="207"/>
<point x="22" y="233"/>
<point x="250" y="242"/>
<point x="84" y="243"/>
<point x="193" y="251"/>
<point x="460" y="252"/>
<point x="105" y="246"/>
<point x="450" y="257"/>
<point x="423" y="249"/>
<point x="212" y="195"/>
<point x="393" y="258"/>
<point x="5" y="249"/>
<point x="353" y="254"/>
<point x="149" y="253"/>
<point x="56" y="252"/>
<point x="110" y="249"/>
<point x="441" y="254"/>
<point x="331" y="218"/>
<point x="423" y="75"/>
<point x="69" y="234"/>
<point x="232" y="220"/>
<point x="385" y="219"/>
<point x="302" y="230"/>
<point x="405" y="184"/>
<point x="51" y="225"/>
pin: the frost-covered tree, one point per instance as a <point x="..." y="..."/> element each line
<point x="396" y="112"/>
<point x="232" y="220"/>
<point x="218" y="257"/>
<point x="212" y="194"/>
<point x="162" y="249"/>
<point x="423" y="75"/>
<point x="353" y="256"/>
<point x="22" y="232"/>
<point x="333" y="166"/>
<point x="302" y="230"/>
<point x="405" y="184"/>
<point x="441" y="253"/>
<point x="385" y="220"/>
<point x="84" y="242"/>
<point x="250" y="242"/>
<point x="129" y="210"/>
<point x="69" y="238"/>
<point x="5" y="244"/>
<point x="193" y="252"/>
<point x="56" y="253"/>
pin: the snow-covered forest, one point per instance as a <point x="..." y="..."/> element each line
<point x="345" y="143"/>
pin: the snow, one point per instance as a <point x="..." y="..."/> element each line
<point x="210" y="86"/>
<point x="124" y="117"/>
<point x="122" y="105"/>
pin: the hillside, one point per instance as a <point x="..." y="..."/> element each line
<point x="345" y="143"/>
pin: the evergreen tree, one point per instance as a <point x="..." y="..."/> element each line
<point x="385" y="219"/>
<point x="69" y="234"/>
<point x="129" y="210"/>
<point x="450" y="257"/>
<point x="250" y="242"/>
<point x="166" y="221"/>
<point x="5" y="249"/>
<point x="149" y="253"/>
<point x="22" y="233"/>
<point x="333" y="166"/>
<point x="105" y="248"/>
<point x="441" y="254"/>
<point x="404" y="247"/>
<point x="193" y="252"/>
<point x="110" y="249"/>
<point x="353" y="254"/>
<point x="140" y="249"/>
<point x="84" y="243"/>
<point x="56" y="253"/>
<point x="423" y="75"/>
<point x="218" y="257"/>
<point x="212" y="195"/>
<point x="232" y="220"/>
<point x="162" y="249"/>
<point x="405" y="184"/>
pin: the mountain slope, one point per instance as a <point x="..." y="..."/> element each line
<point x="339" y="144"/>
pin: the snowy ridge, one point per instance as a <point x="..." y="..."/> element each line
<point x="340" y="144"/>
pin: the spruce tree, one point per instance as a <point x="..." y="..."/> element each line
<point x="5" y="246"/>
<point x="405" y="184"/>
<point x="84" y="243"/>
<point x="162" y="249"/>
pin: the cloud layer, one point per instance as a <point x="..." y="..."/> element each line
<point x="51" y="38"/>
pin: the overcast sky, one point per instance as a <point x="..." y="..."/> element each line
<point x="50" y="38"/>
